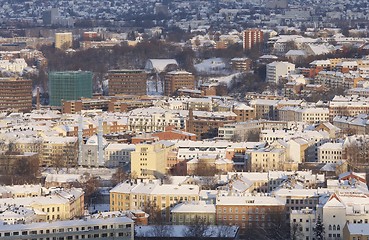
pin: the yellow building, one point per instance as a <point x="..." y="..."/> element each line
<point x="149" y="160"/>
<point x="267" y="159"/>
<point x="189" y="213"/>
<point x="209" y="162"/>
<point x="63" y="40"/>
<point x="60" y="205"/>
<point x="356" y="231"/>
<point x="151" y="196"/>
<point x="60" y="151"/>
<point x="54" y="151"/>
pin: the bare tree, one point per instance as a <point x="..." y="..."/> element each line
<point x="224" y="230"/>
<point x="253" y="136"/>
<point x="204" y="168"/>
<point x="198" y="228"/>
<point x="119" y="176"/>
<point x="357" y="154"/>
<point x="58" y="162"/>
<point x="161" y="230"/>
<point x="296" y="231"/>
<point x="154" y="212"/>
<point x="89" y="184"/>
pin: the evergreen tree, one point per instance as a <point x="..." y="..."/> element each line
<point x="319" y="229"/>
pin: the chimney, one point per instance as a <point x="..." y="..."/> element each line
<point x="38" y="98"/>
<point x="80" y="139"/>
<point x="100" y="143"/>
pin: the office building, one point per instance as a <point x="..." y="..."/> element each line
<point x="131" y="82"/>
<point x="176" y="80"/>
<point x="15" y="94"/>
<point x="70" y="85"/>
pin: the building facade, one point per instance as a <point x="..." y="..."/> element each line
<point x="248" y="211"/>
<point x="275" y="70"/>
<point x="70" y="85"/>
<point x="106" y="228"/>
<point x="63" y="40"/>
<point x="132" y="82"/>
<point x="251" y="38"/>
<point x="176" y="80"/>
<point x="149" y="159"/>
<point x="16" y="94"/>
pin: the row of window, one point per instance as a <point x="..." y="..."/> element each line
<point x="82" y="236"/>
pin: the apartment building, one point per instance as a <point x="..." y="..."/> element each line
<point x="176" y="80"/>
<point x="298" y="199"/>
<point x="155" y="119"/>
<point x="149" y="160"/>
<point x="267" y="159"/>
<point x="349" y="106"/>
<point x="239" y="131"/>
<point x="275" y="70"/>
<point x="16" y="65"/>
<point x="265" y="108"/>
<point x="63" y="40"/>
<point x="88" y="228"/>
<point x="307" y="115"/>
<point x="152" y="195"/>
<point x="337" y="79"/>
<point x="304" y="222"/>
<point x="356" y="231"/>
<point x="243" y="112"/>
<point x="60" y="205"/>
<point x="118" y="154"/>
<point x="330" y="152"/>
<point x="241" y="64"/>
<point x="251" y="38"/>
<point x="59" y="151"/>
<point x="206" y="124"/>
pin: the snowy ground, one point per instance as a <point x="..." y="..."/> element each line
<point x="94" y="208"/>
<point x="226" y="79"/>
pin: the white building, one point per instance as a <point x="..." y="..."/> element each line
<point x="89" y="228"/>
<point x="275" y="70"/>
<point x="302" y="223"/>
<point x="118" y="154"/>
<point x="16" y="65"/>
<point x="155" y="119"/>
<point x="330" y="152"/>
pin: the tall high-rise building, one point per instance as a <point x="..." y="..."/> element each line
<point x="50" y="16"/>
<point x="275" y="70"/>
<point x="252" y="37"/>
<point x="63" y="40"/>
<point x="178" y="79"/>
<point x="15" y="94"/>
<point x="131" y="82"/>
<point x="70" y="85"/>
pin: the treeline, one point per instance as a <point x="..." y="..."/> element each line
<point x="120" y="56"/>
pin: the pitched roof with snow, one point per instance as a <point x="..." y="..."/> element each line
<point x="159" y="65"/>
